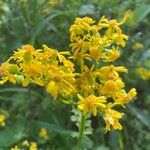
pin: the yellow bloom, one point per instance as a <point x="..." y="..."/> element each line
<point x="91" y="103"/>
<point x="52" y="88"/>
<point x="109" y="72"/>
<point x="111" y="55"/>
<point x="33" y="146"/>
<point x="8" y="72"/>
<point x="129" y="15"/>
<point x="2" y="120"/>
<point x="137" y="46"/>
<point x="25" y="143"/>
<point x="15" y="148"/>
<point x="122" y="97"/>
<point x="32" y="73"/>
<point x="112" y="25"/>
<point x="60" y="82"/>
<point x="119" y="39"/>
<point x="111" y="87"/>
<point x="143" y="73"/>
<point x="111" y="118"/>
<point x="24" y="54"/>
<point x="95" y="53"/>
<point x="43" y="133"/>
<point x="81" y="24"/>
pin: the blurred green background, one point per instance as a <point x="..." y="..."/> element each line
<point x="27" y="110"/>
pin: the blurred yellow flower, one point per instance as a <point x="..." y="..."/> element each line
<point x="143" y="73"/>
<point x="2" y="119"/>
<point x="15" y="148"/>
<point x="25" y="143"/>
<point x="43" y="133"/>
<point x="137" y="46"/>
<point x="129" y="14"/>
<point x="33" y="146"/>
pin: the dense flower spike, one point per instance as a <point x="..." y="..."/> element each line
<point x="85" y="76"/>
<point x="100" y="83"/>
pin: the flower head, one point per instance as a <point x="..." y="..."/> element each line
<point x="43" y="133"/>
<point x="91" y="103"/>
<point x="111" y="118"/>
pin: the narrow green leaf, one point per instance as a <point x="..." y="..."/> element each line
<point x="141" y="115"/>
<point x="141" y="12"/>
<point x="113" y="140"/>
<point x="53" y="127"/>
<point x="13" y="90"/>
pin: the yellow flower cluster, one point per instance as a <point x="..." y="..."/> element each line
<point x="45" y="67"/>
<point x="85" y="76"/>
<point x="95" y="47"/>
<point x="26" y="144"/>
<point x="143" y="73"/>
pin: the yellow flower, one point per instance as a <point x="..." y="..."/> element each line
<point x="91" y="103"/>
<point x="43" y="133"/>
<point x="15" y="148"/>
<point x="95" y="53"/>
<point x="111" y="118"/>
<point x="33" y="146"/>
<point x="143" y="73"/>
<point x="137" y="46"/>
<point x="119" y="39"/>
<point x="25" y="143"/>
<point x="24" y="54"/>
<point x="129" y="15"/>
<point x="109" y="72"/>
<point x="8" y="72"/>
<point x="111" y="55"/>
<point x="122" y="97"/>
<point x="111" y="87"/>
<point x="79" y="56"/>
<point x="112" y="25"/>
<point x="32" y="73"/>
<point x="2" y="120"/>
<point x="81" y="24"/>
<point x="60" y="82"/>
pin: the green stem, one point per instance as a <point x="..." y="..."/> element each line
<point x="81" y="131"/>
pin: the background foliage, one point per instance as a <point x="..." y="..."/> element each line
<point x="28" y="109"/>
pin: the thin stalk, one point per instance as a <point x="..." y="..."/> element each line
<point x="81" y="131"/>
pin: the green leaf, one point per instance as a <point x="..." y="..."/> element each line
<point x="141" y="12"/>
<point x="87" y="143"/>
<point x="102" y="147"/>
<point x="53" y="127"/>
<point x="12" y="134"/>
<point x="87" y="10"/>
<point x="113" y="140"/>
<point x="141" y="115"/>
<point x="13" y="90"/>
